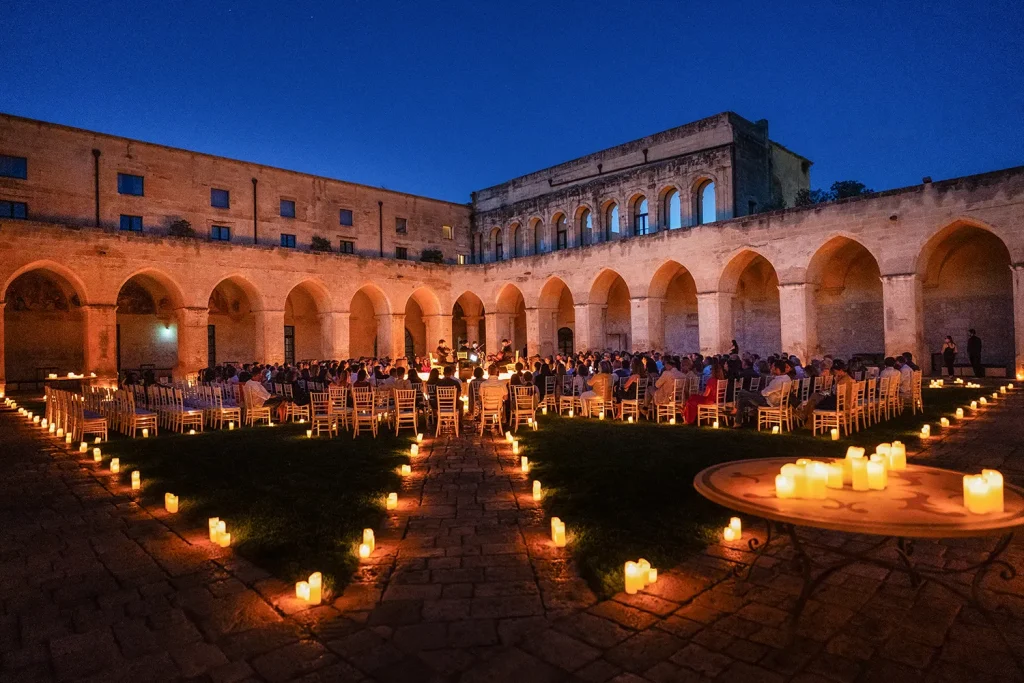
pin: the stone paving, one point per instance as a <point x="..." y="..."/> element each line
<point x="464" y="586"/>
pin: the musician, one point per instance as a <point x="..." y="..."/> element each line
<point x="442" y="352"/>
<point x="506" y="351"/>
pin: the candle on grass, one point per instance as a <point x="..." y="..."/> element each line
<point x="671" y="420"/>
<point x="115" y="465"/>
<point x="419" y="438"/>
<point x="537" y="493"/>
<point x="629" y="419"/>
<point x="145" y="432"/>
<point x="714" y="425"/>
<point x="570" y="412"/>
<point x="544" y="410"/>
<point x="97" y="455"/>
<point x="406" y="470"/>
<point x="600" y="416"/>
<point x="775" y="429"/>
<point x="515" y="447"/>
<point x="97" y="440"/>
<point x="959" y="413"/>
<point x="170" y="502"/>
<point x="231" y="426"/>
<point x="191" y="432"/>
<point x="558" y="532"/>
<point x="414" y="449"/>
<point x="309" y="433"/>
<point x="83" y="447"/>
<point x="392" y="503"/>
<point x="136" y="480"/>
<point x="369" y="539"/>
<point x="835" y="434"/>
<point x="524" y="464"/>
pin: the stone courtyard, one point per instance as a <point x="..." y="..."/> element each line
<point x="465" y="586"/>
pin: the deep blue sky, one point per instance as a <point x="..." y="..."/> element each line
<point x="444" y="98"/>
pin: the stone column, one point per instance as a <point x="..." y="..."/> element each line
<point x="3" y="345"/>
<point x="472" y="327"/>
<point x="590" y="327"/>
<point x="269" y="343"/>
<point x="438" y="327"/>
<point x="799" y="321"/>
<point x="647" y="323"/>
<point x="714" y="318"/>
<point x="391" y="335"/>
<point x="101" y="340"/>
<point x="491" y="332"/>
<point x="193" y="340"/>
<point x="334" y="330"/>
<point x="1018" y="318"/>
<point x="903" y="304"/>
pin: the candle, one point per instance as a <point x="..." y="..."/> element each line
<point x="995" y="395"/>
<point x="364" y="551"/>
<point x="115" y="465"/>
<point x="191" y="432"/>
<point x="508" y="437"/>
<point x="976" y="494"/>
<point x="798" y="475"/>
<point x="231" y="426"/>
<point x="671" y="420"/>
<point x="926" y="431"/>
<point x="302" y="590"/>
<point x="97" y="440"/>
<point x="633" y="580"/>
<point x="406" y="470"/>
<point x="309" y="433"/>
<point x="775" y="429"/>
<point x="835" y="475"/>
<point x="898" y="457"/>
<point x="629" y="419"/>
<point x="736" y="524"/>
<point x="729" y="534"/>
<point x="600" y="416"/>
<point x="35" y="420"/>
<point x="136" y="480"/>
<point x="943" y="422"/>
<point x="214" y="525"/>
<point x="959" y="413"/>
<point x="859" y="474"/>
<point x="392" y="501"/>
<point x="145" y="433"/>
<point x="784" y="486"/>
<point x="316" y="586"/>
<point x="983" y="401"/>
<point x="877" y="475"/>
<point x="558" y="532"/>
<point x="170" y="502"/>
<point x="414" y="449"/>
<point x="67" y="438"/>
<point x="544" y="410"/>
<point x="817" y="480"/>
<point x="419" y="438"/>
<point x="835" y="434"/>
<point x="995" y="490"/>
<point x="570" y="412"/>
<point x="644" y="566"/>
<point x="53" y="428"/>
<point x="1002" y="389"/>
<point x="370" y="539"/>
<point x="974" y="405"/>
<point x="537" y="494"/>
<point x="524" y="464"/>
<point x="97" y="456"/>
<point x="533" y="423"/>
<point x="515" y="447"/>
<point x="45" y="423"/>
<point x="224" y="539"/>
<point x="652" y="575"/>
<point x="714" y="425"/>
<point x="529" y="422"/>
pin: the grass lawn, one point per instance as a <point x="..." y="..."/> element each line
<point x="626" y="491"/>
<point x="293" y="505"/>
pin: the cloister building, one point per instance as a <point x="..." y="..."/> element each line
<point x="675" y="242"/>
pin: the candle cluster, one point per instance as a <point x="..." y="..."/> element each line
<point x="983" y="493"/>
<point x="558" y="532"/>
<point x="219" y="532"/>
<point x="311" y="590"/>
<point x="734" y="531"/>
<point x="639" y="575"/>
<point x="809" y="479"/>
<point x="936" y="383"/>
<point x="368" y="545"/>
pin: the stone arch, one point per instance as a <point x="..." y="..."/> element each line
<point x="639" y="214"/>
<point x="149" y="320"/>
<point x="510" y="319"/>
<point x="232" y="310"/>
<point x="966" y="282"/>
<point x="756" y="318"/>
<point x="468" y="318"/>
<point x="610" y="312"/>
<point x="583" y="222"/>
<point x="670" y="207"/>
<point x="44" y="324"/>
<point x="423" y="321"/>
<point x="309" y="336"/>
<point x="673" y="291"/>
<point x="556" y="311"/>
<point x="847" y="296"/>
<point x="369" y="330"/>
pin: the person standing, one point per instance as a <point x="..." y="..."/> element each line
<point x="949" y="354"/>
<point x="974" y="353"/>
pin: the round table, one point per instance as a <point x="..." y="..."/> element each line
<point x="918" y="503"/>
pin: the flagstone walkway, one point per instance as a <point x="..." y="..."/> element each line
<point x="464" y="586"/>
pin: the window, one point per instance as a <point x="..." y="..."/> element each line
<point x="447" y="232"/>
<point x="672" y="211"/>
<point x="402" y="253"/>
<point x="705" y="200"/>
<point x="131" y="223"/>
<point x="129" y="184"/>
<point x="640" y="216"/>
<point x="289" y="344"/>
<point x="220" y="233"/>
<point x="347" y="247"/>
<point x="287" y="240"/>
<point x="751" y="207"/>
<point x="586" y="228"/>
<point x="517" y="238"/>
<point x="565" y="338"/>
<point x="461" y="259"/>
<point x="13" y="167"/>
<point x="287" y="208"/>
<point x="561" y="237"/>
<point x="345" y="217"/>
<point x="401" y="226"/>
<point x="13" y="209"/>
<point x="220" y="199"/>
<point x="499" y="245"/>
<point x="611" y="222"/>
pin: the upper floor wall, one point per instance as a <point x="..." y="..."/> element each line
<point x="82" y="178"/>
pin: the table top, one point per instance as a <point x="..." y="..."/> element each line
<point x="919" y="502"/>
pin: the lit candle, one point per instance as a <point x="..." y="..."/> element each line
<point x="652" y="575"/>
<point x="898" y="457"/>
<point x="544" y="410"/>
<point x="44" y="423"/>
<point x="736" y="524"/>
<point x="414" y="449"/>
<point x="974" y="405"/>
<point x="1002" y="389"/>
<point x="529" y="422"/>
<point x="983" y="401"/>
<point x="524" y="464"/>
<point x="976" y="493"/>
<point x="784" y="486"/>
<point x="570" y="412"/>
<point x="959" y="413"/>
<point x="600" y="415"/>
<point x="302" y="590"/>
<point x="67" y="438"/>
<point x="995" y="395"/>
<point x="537" y="494"/>
<point x="533" y="423"/>
<point x="97" y="455"/>
<point x="97" y="440"/>
<point x="877" y="475"/>
<point x="145" y="433"/>
<point x="995" y="490"/>
<point x="859" y="474"/>
<point x="214" y="525"/>
<point x="170" y="502"/>
<point x="406" y="470"/>
<point x="633" y="580"/>
<point x="926" y="431"/>
<point x="35" y="420"/>
<point x="364" y="551"/>
<point x="515" y="447"/>
<point x="671" y="420"/>
<point x="558" y="532"/>
<point x="629" y="419"/>
<point x="83" y="447"/>
<point x="115" y="465"/>
<point x="53" y="428"/>
<point x="508" y="437"/>
<point x="817" y="480"/>
<point x="798" y="475"/>
<point x="191" y="432"/>
<point x="943" y="421"/>
<point x="224" y="539"/>
<point x="714" y="425"/>
<point x="644" y="566"/>
<point x="316" y="586"/>
<point x="835" y="475"/>
<point x="835" y="434"/>
<point x="231" y="426"/>
<point x="419" y="438"/>
<point x="136" y="480"/>
<point x="775" y="429"/>
<point x="392" y="501"/>
<point x="729" y="534"/>
<point x="309" y="433"/>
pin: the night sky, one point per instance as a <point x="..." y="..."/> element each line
<point x="443" y="98"/>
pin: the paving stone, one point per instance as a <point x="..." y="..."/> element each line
<point x="559" y="649"/>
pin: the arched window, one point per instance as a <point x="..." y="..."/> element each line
<point x="706" y="210"/>
<point x="517" y="237"/>
<point x="537" y="241"/>
<point x="565" y="341"/>
<point x="640" y="216"/>
<point x="611" y="222"/>
<point x="561" y="232"/>
<point x="499" y="247"/>
<point x="672" y="211"/>
<point x="586" y="228"/>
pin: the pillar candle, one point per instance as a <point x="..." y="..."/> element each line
<point x="974" y="405"/>
<point x="859" y="474"/>
<point x="959" y="413"/>
<point x="629" y="419"/>
<point x="515" y="447"/>
<point x="835" y="434"/>
<point x="97" y="440"/>
<point x="231" y="426"/>
<point x="170" y="502"/>
<point x="214" y="525"/>
<point x="736" y="524"/>
<point x="995" y="490"/>
<point x="558" y="532"/>
<point x="224" y="540"/>
<point x="633" y="580"/>
<point x="775" y="429"/>
<point x="419" y="438"/>
<point x="97" y="455"/>
<point x="671" y="420"/>
<point x="83" y="447"/>
<point x="67" y="438"/>
<point x="316" y="586"/>
<point x="544" y="410"/>
<point x="570" y="412"/>
<point x="370" y="539"/>
<point x="392" y="501"/>
<point x="976" y="492"/>
<point x="898" y="457"/>
<point x="926" y="431"/>
<point x="524" y="464"/>
<point x="714" y="425"/>
<point x="995" y="395"/>
<point x="943" y="421"/>
<point x="414" y="449"/>
<point x="983" y="401"/>
<point x="145" y="433"/>
<point x="53" y="429"/>
<point x="652" y="575"/>
<point x="302" y="590"/>
<point x="877" y="475"/>
<point x="115" y="465"/>
<point x="309" y="433"/>
<point x="835" y="475"/>
<point x="536" y="490"/>
<point x="600" y="416"/>
<point x="817" y="480"/>
<point x="508" y="437"/>
<point x="884" y="449"/>
<point x="406" y="470"/>
<point x="534" y="425"/>
<point x="798" y="475"/>
<point x="729" y="534"/>
<point x="784" y="487"/>
<point x="191" y="432"/>
<point x="136" y="480"/>
<point x="364" y="551"/>
<point x="1002" y="389"/>
<point x="644" y="566"/>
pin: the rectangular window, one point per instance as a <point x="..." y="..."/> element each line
<point x="345" y="217"/>
<point x="401" y="226"/>
<point x="562" y="240"/>
<point x="129" y="184"/>
<point x="288" y="241"/>
<point x="289" y="344"/>
<point x="220" y="233"/>
<point x="401" y="253"/>
<point x="446" y="232"/>
<point x="347" y="247"/>
<point x="13" y="167"/>
<point x="13" y="209"/>
<point x="131" y="223"/>
<point x="462" y="259"/>
<point x="287" y="208"/>
<point x="220" y="199"/>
